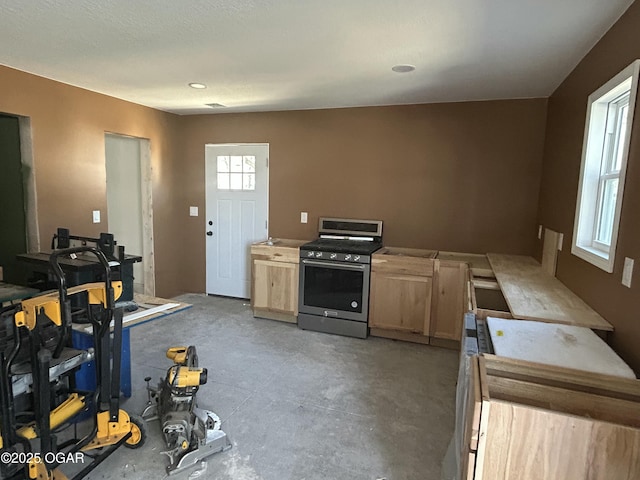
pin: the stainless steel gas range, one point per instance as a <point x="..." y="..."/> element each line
<point x="334" y="276"/>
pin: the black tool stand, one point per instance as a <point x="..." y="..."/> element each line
<point x="78" y="271"/>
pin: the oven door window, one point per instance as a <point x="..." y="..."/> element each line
<point x="333" y="288"/>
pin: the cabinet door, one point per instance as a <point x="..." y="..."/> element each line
<point x="449" y="284"/>
<point x="275" y="286"/>
<point x="400" y="302"/>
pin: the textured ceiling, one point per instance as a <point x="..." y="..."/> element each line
<point x="263" y="55"/>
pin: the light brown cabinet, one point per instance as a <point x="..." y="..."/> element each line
<point x="275" y="288"/>
<point x="274" y="280"/>
<point x="400" y="302"/>
<point x="422" y="295"/>
<point x="525" y="421"/>
<point x="400" y="294"/>
<point x="449" y="302"/>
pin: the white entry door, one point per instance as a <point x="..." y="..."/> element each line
<point x="237" y="182"/>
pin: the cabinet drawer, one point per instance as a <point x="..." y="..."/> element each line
<point x="401" y="264"/>
<point x="275" y="253"/>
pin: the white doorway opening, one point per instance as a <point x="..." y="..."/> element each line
<point x="129" y="203"/>
<point x="237" y="210"/>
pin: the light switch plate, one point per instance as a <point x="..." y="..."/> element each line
<point x="96" y="216"/>
<point x="539" y="232"/>
<point x="193" y="211"/>
<point x="627" y="272"/>
<point x="560" y="240"/>
<point x="303" y="217"/>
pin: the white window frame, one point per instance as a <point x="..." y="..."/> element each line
<point x="599" y="150"/>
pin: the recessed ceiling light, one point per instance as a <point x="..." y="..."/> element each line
<point x="403" y="68"/>
<point x="197" y="85"/>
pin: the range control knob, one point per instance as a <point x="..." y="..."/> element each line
<point x="310" y="254"/>
<point x="334" y="256"/>
<point x="356" y="258"/>
<point x="318" y="254"/>
<point x="347" y="256"/>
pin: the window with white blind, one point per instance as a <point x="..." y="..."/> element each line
<point x="604" y="164"/>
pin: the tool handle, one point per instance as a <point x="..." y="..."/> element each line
<point x="59" y="273"/>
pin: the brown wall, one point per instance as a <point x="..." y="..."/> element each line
<point x="68" y="125"/>
<point x="458" y="176"/>
<point x="558" y="192"/>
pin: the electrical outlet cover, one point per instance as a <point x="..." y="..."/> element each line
<point x="627" y="272"/>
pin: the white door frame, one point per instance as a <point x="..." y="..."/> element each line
<point x="146" y="188"/>
<point x="29" y="179"/>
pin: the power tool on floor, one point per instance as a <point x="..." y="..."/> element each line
<point x="191" y="433"/>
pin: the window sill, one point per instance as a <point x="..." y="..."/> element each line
<point x="594" y="256"/>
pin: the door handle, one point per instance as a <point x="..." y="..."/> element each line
<point x="210" y="233"/>
<point x="341" y="266"/>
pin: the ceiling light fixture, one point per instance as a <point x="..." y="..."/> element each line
<point x="403" y="68"/>
<point x="199" y="86"/>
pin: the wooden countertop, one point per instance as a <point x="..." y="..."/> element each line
<point x="282" y="242"/>
<point x="533" y="294"/>
<point x="278" y="250"/>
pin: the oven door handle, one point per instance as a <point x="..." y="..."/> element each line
<point x="344" y="266"/>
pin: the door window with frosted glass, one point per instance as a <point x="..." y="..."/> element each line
<point x="236" y="172"/>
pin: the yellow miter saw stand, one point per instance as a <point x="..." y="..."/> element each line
<point x="40" y="404"/>
<point x="191" y="433"/>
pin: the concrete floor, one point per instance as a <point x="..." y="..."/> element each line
<point x="297" y="405"/>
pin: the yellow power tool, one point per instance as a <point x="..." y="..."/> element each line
<point x="191" y="433"/>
